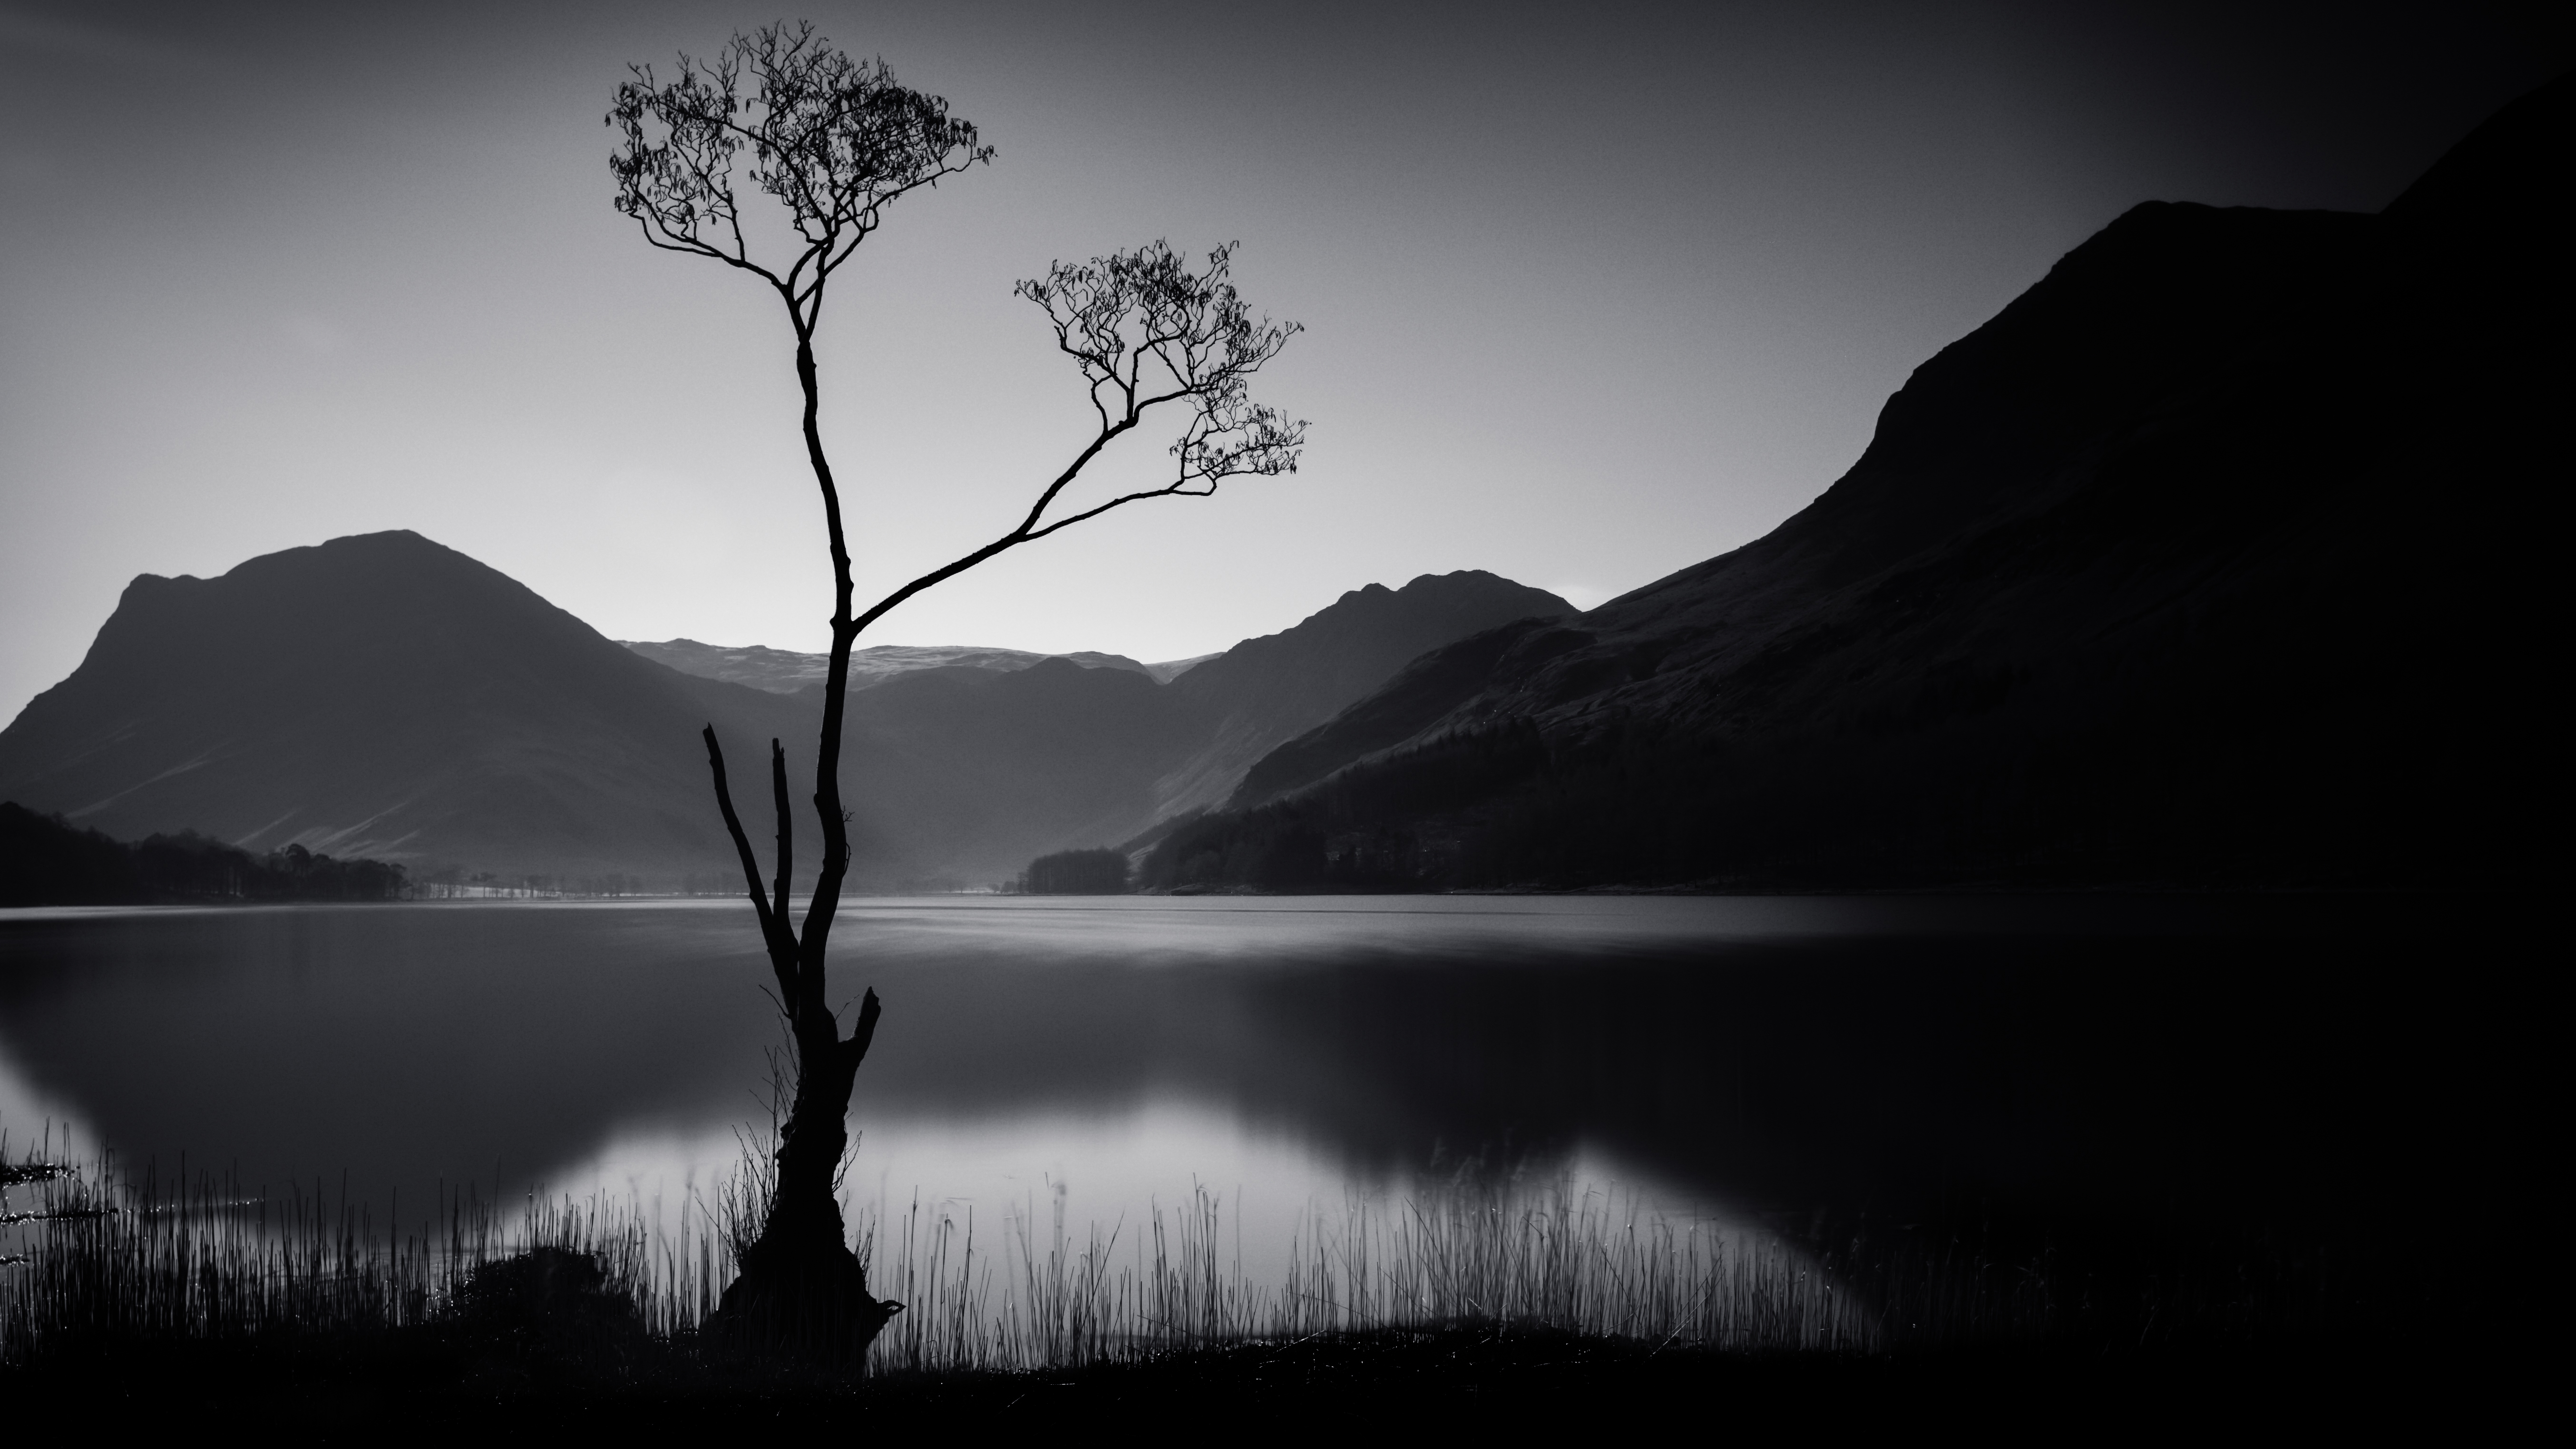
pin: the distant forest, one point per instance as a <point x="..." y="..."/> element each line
<point x="1641" y="805"/>
<point x="1076" y="873"/>
<point x="1362" y="829"/>
<point x="47" y="861"/>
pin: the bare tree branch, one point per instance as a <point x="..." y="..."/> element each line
<point x="855" y="1050"/>
<point x="786" y="827"/>
<point x="835" y="140"/>
<point x="1112" y="313"/>
<point x="773" y="928"/>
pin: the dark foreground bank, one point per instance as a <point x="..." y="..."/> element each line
<point x="440" y="1383"/>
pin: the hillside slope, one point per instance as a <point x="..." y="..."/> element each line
<point x="384" y="696"/>
<point x="964" y="775"/>
<point x="1265" y="691"/>
<point x="783" y="671"/>
<point x="2220" y="555"/>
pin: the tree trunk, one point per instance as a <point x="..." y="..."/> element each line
<point x="802" y="1295"/>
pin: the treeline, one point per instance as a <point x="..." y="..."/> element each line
<point x="455" y="883"/>
<point x="2157" y="797"/>
<point x="1076" y="873"/>
<point x="47" y="861"/>
<point x="1632" y="803"/>
<point x="1423" y="821"/>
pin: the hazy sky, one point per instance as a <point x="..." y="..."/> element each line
<point x="1593" y="291"/>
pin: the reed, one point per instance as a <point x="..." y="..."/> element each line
<point x="101" y="1257"/>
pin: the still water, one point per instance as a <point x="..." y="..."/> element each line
<point x="1774" y="1060"/>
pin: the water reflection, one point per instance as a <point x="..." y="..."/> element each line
<point x="1113" y="1170"/>
<point x="2192" y="1060"/>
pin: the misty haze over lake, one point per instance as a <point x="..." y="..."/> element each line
<point x="2144" y="1066"/>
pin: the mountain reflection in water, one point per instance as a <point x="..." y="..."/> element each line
<point x="2318" y="1065"/>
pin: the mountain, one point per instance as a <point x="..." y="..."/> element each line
<point x="2221" y="555"/>
<point x="385" y="696"/>
<point x="966" y="764"/>
<point x="967" y="774"/>
<point x="1265" y="691"/>
<point x="782" y="671"/>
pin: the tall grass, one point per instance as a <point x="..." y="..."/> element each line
<point x="1556" y="1258"/>
<point x="97" y="1254"/>
<point x="100" y="1255"/>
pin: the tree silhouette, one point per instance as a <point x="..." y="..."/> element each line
<point x="834" y="141"/>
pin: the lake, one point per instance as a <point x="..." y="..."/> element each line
<point x="2056" y="1069"/>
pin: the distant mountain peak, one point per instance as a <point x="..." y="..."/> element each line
<point x="785" y="671"/>
<point x="381" y="694"/>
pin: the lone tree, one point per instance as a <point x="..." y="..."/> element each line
<point x="834" y="141"/>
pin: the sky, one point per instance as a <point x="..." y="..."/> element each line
<point x="1592" y="292"/>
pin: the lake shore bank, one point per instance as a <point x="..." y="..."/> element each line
<point x="417" y="1385"/>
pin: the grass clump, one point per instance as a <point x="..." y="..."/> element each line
<point x="104" y="1261"/>
<point x="1555" y="1260"/>
<point x="1515" y="1296"/>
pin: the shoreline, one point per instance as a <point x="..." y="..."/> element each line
<point x="1480" y="1374"/>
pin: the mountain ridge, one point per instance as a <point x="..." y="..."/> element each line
<point x="383" y="695"/>
<point x="347" y="697"/>
<point x="784" y="671"/>
<point x="2104" y="599"/>
<point x="1269" y="689"/>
